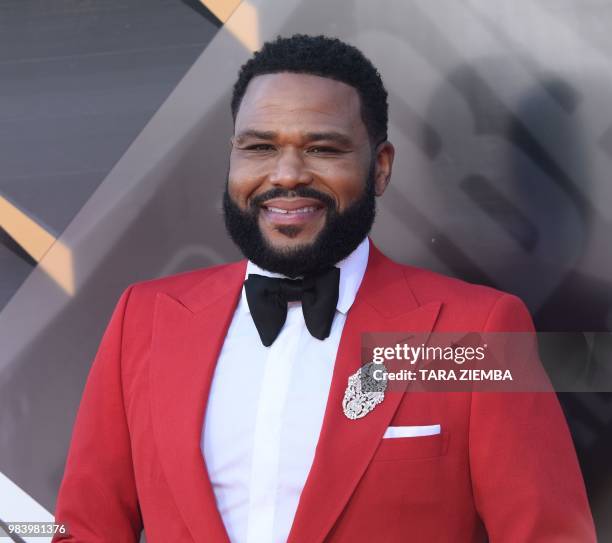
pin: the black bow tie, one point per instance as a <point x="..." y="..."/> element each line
<point x="268" y="296"/>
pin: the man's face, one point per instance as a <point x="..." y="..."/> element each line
<point x="301" y="163"/>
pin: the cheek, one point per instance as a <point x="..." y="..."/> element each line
<point x="346" y="180"/>
<point x="347" y="190"/>
<point x="241" y="185"/>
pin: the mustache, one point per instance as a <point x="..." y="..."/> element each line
<point x="300" y="192"/>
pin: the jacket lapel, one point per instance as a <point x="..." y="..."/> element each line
<point x="384" y="303"/>
<point x="188" y="334"/>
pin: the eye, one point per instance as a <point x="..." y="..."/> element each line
<point x="261" y="147"/>
<point x="323" y="150"/>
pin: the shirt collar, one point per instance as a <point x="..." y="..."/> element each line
<point x="352" y="270"/>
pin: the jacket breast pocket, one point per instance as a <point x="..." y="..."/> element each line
<point x="412" y="448"/>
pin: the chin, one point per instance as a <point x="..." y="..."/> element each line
<point x="289" y="236"/>
<point x="287" y="242"/>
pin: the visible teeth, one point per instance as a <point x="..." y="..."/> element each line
<point x="293" y="211"/>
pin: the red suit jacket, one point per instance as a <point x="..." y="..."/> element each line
<point x="504" y="464"/>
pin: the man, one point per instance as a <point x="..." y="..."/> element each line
<point x="214" y="408"/>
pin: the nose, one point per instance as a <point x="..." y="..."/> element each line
<point x="289" y="170"/>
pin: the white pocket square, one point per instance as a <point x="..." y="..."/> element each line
<point x="412" y="431"/>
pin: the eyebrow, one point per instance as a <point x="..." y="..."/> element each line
<point x="269" y="135"/>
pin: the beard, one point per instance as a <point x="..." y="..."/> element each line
<point x="339" y="237"/>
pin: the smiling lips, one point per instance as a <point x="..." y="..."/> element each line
<point x="292" y="211"/>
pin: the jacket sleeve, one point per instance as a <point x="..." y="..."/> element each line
<point x="526" y="479"/>
<point x="97" y="498"/>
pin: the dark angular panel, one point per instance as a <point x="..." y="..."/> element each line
<point x="80" y="80"/>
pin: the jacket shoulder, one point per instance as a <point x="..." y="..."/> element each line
<point x="467" y="304"/>
<point x="142" y="294"/>
<point x="429" y="285"/>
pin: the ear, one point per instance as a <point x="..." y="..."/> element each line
<point x="385" y="152"/>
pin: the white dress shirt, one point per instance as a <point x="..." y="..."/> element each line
<point x="265" y="412"/>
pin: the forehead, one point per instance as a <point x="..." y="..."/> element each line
<point x="299" y="101"/>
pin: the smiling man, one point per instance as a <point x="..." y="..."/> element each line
<point x="215" y="410"/>
<point x="304" y="168"/>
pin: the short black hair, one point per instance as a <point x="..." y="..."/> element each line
<point x="325" y="57"/>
